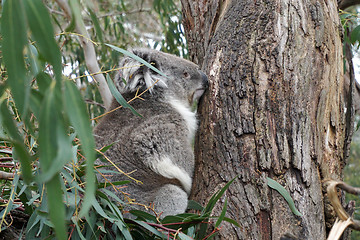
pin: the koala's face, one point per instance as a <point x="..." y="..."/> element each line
<point x="184" y="80"/>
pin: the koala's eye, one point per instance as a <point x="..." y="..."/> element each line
<point x="186" y="75"/>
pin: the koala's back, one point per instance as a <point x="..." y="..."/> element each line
<point x="155" y="148"/>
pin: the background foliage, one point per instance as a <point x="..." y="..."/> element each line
<point x="351" y="26"/>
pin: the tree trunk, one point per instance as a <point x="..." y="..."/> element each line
<point x="274" y="109"/>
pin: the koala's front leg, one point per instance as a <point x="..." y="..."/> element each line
<point x="170" y="200"/>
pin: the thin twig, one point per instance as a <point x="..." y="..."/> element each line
<point x="6" y="175"/>
<point x="6" y="159"/>
<point x="117" y="168"/>
<point x="344" y="220"/>
<point x="136" y="96"/>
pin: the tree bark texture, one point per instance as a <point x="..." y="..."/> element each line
<point x="274" y="109"/>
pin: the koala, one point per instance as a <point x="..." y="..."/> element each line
<point x="155" y="148"/>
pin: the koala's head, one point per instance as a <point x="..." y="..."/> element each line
<point x="184" y="81"/>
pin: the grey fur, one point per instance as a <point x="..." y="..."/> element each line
<point x="158" y="145"/>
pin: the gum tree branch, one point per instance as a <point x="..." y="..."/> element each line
<point x="89" y="54"/>
<point x="344" y="220"/>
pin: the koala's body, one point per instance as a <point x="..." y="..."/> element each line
<point x="157" y="147"/>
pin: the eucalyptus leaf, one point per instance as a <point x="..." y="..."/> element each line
<point x="79" y="118"/>
<point x="151" y="229"/>
<point x="20" y="150"/>
<point x="275" y="185"/>
<point x="211" y="204"/>
<point x="130" y="54"/>
<point x="48" y="139"/>
<point x="355" y="35"/>
<point x="56" y="207"/>
<point x="98" y="30"/>
<point x="119" y="98"/>
<point x="41" y="28"/>
<point x="222" y="214"/>
<point x="13" y="32"/>
<point x="183" y="236"/>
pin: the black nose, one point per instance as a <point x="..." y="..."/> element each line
<point x="205" y="80"/>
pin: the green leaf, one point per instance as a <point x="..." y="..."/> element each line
<point x="151" y="229"/>
<point x="13" y="32"/>
<point x="232" y="221"/>
<point x="211" y="204"/>
<point x="117" y="183"/>
<point x="63" y="155"/>
<point x="184" y="236"/>
<point x="119" y="98"/>
<point x="44" y="81"/>
<point x="222" y="215"/>
<point x="194" y="205"/>
<point x="79" y="118"/>
<point x="112" y="195"/>
<point x="275" y="185"/>
<point x="136" y="58"/>
<point x="355" y="35"/>
<point x="98" y="30"/>
<point x="101" y="211"/>
<point x="48" y="138"/>
<point x="43" y="33"/>
<point x="32" y="56"/>
<point x="143" y="215"/>
<point x="56" y="207"/>
<point x="19" y="148"/>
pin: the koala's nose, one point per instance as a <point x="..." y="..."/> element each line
<point x="205" y="80"/>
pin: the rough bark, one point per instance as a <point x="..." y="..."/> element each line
<point x="275" y="109"/>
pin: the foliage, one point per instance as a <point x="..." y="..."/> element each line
<point x="352" y="177"/>
<point x="351" y="25"/>
<point x="46" y="143"/>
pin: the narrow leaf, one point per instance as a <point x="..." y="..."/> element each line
<point x="20" y="150"/>
<point x="41" y="28"/>
<point x="98" y="30"/>
<point x="13" y="32"/>
<point x="194" y="205"/>
<point x="63" y="154"/>
<point x="143" y="215"/>
<point x="49" y="118"/>
<point x="275" y="185"/>
<point x="232" y="221"/>
<point x="183" y="236"/>
<point x="355" y="35"/>
<point x="119" y="98"/>
<point x="47" y="136"/>
<point x="79" y="118"/>
<point x="136" y="58"/>
<point x="151" y="229"/>
<point x="56" y="207"/>
<point x="222" y="215"/>
<point x="211" y="204"/>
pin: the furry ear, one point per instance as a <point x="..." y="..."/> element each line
<point x="134" y="75"/>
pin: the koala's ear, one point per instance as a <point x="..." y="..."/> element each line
<point x="134" y="75"/>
